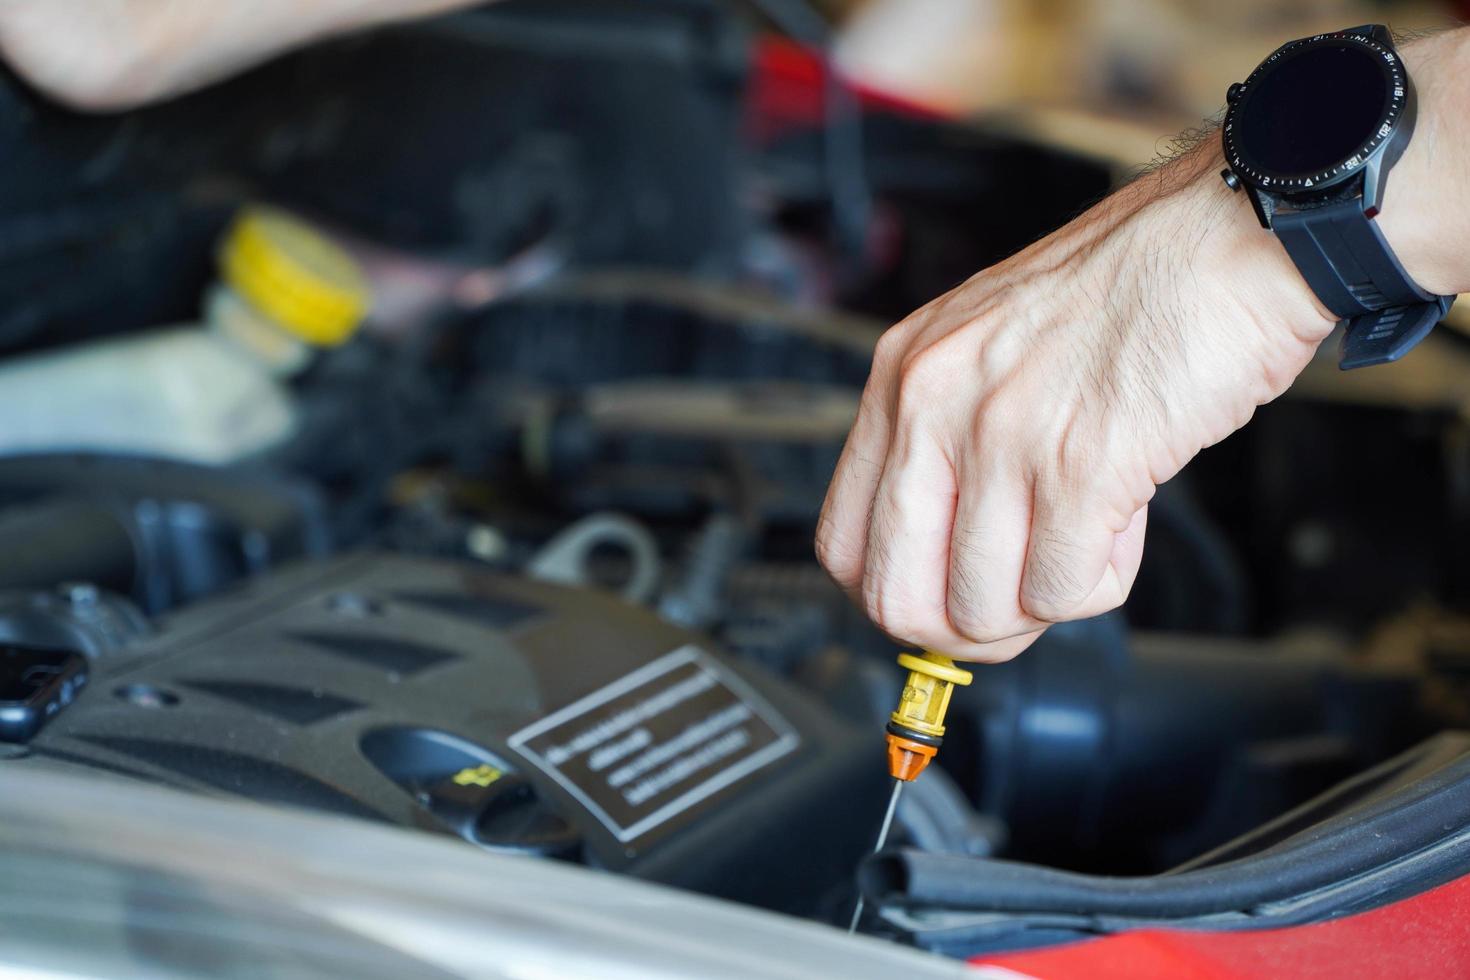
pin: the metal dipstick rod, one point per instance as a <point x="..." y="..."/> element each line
<point x="857" y="913"/>
<point x="915" y="731"/>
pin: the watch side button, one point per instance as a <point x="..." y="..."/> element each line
<point x="1231" y="181"/>
<point x="1233" y="92"/>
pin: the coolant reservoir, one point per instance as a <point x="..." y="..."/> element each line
<point x="208" y="393"/>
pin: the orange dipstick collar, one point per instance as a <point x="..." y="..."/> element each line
<point x="907" y="758"/>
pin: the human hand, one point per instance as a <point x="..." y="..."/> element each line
<point x="1013" y="431"/>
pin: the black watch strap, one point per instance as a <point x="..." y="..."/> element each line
<point x="1348" y="263"/>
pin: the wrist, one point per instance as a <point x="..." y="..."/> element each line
<point x="1245" y="261"/>
<point x="1426" y="204"/>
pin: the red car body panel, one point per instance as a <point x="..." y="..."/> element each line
<point x="1424" y="936"/>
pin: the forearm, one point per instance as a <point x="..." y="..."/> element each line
<point x="1425" y="213"/>
<point x="110" y="54"/>
<point x="1426" y="207"/>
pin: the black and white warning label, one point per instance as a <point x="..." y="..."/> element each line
<point x="651" y="746"/>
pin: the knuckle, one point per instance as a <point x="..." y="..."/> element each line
<point x="996" y="427"/>
<point x="836" y="553"/>
<point x="917" y="367"/>
<point x="879" y="610"/>
<point x="873" y="599"/>
<point x="921" y="376"/>
<point x="970" y="598"/>
<point x="1000" y="353"/>
<point x="975" y="625"/>
<point x="1078" y="458"/>
<point x="892" y="613"/>
<point x="972" y="624"/>
<point x="1039" y="601"/>
<point x="1052" y="588"/>
<point x="889" y="350"/>
<point x="1047" y="609"/>
<point x="965" y="603"/>
<point x="1047" y="606"/>
<point x="987" y="424"/>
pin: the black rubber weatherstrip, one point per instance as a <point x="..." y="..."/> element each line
<point x="1380" y="833"/>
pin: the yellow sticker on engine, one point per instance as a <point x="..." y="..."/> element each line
<point x="482" y="775"/>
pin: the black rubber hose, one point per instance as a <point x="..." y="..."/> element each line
<point x="1381" y="832"/>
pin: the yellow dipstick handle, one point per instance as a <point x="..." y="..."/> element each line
<point x="916" y="727"/>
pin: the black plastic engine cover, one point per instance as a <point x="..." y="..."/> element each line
<point x="517" y="715"/>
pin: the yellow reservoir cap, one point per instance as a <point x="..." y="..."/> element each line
<point x="294" y="275"/>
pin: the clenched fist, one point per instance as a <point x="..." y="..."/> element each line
<point x="1012" y="432"/>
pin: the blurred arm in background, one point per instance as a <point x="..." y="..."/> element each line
<point x="100" y="55"/>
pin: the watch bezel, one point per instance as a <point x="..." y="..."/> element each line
<point x="1395" y="115"/>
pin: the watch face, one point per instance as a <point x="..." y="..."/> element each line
<point x="1315" y="111"/>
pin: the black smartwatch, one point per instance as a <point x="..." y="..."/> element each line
<point x="1310" y="136"/>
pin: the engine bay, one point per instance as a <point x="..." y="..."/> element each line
<point x="531" y="568"/>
